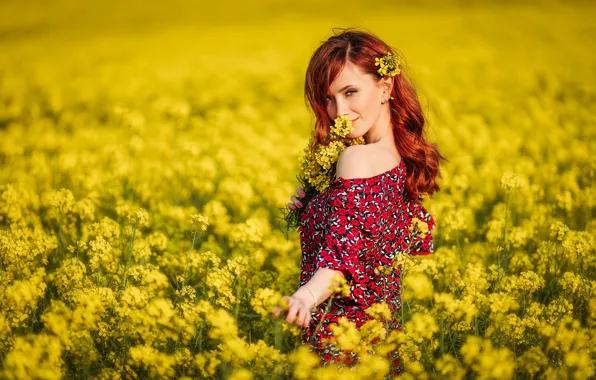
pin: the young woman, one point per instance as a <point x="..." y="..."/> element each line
<point x="361" y="221"/>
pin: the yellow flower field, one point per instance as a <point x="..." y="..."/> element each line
<point x="147" y="152"/>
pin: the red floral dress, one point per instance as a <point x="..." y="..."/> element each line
<point x="354" y="226"/>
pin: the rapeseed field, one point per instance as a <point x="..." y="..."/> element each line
<point x="147" y="151"/>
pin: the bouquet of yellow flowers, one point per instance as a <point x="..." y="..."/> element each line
<point x="318" y="163"/>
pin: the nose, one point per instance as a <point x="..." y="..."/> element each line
<point x="342" y="107"/>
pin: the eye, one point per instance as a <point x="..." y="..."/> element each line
<point x="349" y="92"/>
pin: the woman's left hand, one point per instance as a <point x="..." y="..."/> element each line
<point x="297" y="307"/>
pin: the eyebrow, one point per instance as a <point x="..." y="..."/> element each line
<point x="344" y="87"/>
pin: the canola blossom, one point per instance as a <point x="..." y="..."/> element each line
<point x="389" y="65"/>
<point x="318" y="163"/>
<point x="144" y="167"/>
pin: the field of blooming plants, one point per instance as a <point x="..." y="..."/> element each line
<point x="144" y="165"/>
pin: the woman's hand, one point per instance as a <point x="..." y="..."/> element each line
<point x="295" y="202"/>
<point x="300" y="307"/>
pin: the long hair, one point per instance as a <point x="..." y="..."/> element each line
<point x="360" y="48"/>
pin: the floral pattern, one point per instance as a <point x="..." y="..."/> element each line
<point x="355" y="226"/>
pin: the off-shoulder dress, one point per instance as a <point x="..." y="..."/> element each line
<point x="355" y="226"/>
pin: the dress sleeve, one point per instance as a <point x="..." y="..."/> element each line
<point x="420" y="233"/>
<point x="343" y="234"/>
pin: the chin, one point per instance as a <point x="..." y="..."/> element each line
<point x="355" y="135"/>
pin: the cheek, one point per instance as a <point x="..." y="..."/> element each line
<point x="360" y="127"/>
<point x="374" y="103"/>
<point x="368" y="111"/>
<point x="373" y="110"/>
<point x="368" y="106"/>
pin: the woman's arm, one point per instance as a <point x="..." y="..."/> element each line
<point x="302" y="301"/>
<point x="319" y="285"/>
<point x="352" y="163"/>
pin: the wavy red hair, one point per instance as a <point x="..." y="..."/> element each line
<point x="360" y="48"/>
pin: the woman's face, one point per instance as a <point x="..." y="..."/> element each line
<point x="358" y="96"/>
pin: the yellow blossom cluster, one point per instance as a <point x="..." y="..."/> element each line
<point x="389" y="64"/>
<point x="340" y="285"/>
<point x="317" y="166"/>
<point x="420" y="226"/>
<point x="200" y="221"/>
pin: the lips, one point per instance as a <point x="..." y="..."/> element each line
<point x="353" y="121"/>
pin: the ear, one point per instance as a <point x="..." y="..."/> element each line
<point x="387" y="85"/>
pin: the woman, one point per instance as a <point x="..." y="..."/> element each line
<point x="361" y="221"/>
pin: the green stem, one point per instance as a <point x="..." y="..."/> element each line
<point x="129" y="254"/>
<point x="327" y="307"/>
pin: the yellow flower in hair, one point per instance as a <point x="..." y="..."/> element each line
<point x="389" y="65"/>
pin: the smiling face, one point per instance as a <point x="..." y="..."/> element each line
<point x="358" y="96"/>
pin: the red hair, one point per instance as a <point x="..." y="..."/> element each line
<point x="360" y="48"/>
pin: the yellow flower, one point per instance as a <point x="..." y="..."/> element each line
<point x="135" y="217"/>
<point x="265" y="300"/>
<point x="530" y="282"/>
<point x="418" y="286"/>
<point x="241" y="374"/>
<point x="340" y="285"/>
<point x="199" y="221"/>
<point x="316" y="166"/>
<point x="224" y="326"/>
<point x="304" y="362"/>
<point x="419" y="226"/>
<point x="487" y="362"/>
<point x="389" y="65"/>
<point x="342" y="127"/>
<point x="558" y="230"/>
<point x="158" y="364"/>
<point x="326" y="155"/>
<point x="345" y="334"/>
<point x="383" y="270"/>
<point x="510" y="181"/>
<point x="70" y="275"/>
<point x="449" y="367"/>
<point x="379" y="310"/>
<point x="34" y="356"/>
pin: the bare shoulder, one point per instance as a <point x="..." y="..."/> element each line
<point x="354" y="162"/>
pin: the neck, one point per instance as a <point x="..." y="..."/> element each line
<point x="382" y="130"/>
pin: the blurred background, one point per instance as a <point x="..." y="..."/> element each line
<point x="491" y="76"/>
<point x="215" y="90"/>
<point x="185" y="108"/>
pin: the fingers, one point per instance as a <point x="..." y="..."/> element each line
<point x="292" y="313"/>
<point x="298" y="312"/>
<point x="296" y="201"/>
<point x="302" y="313"/>
<point x="301" y="192"/>
<point x="294" y="307"/>
<point x="276" y="312"/>
<point x="290" y="300"/>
